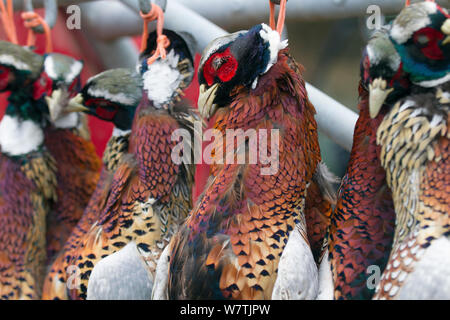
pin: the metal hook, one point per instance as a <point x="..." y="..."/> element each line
<point x="51" y="12"/>
<point x="146" y="5"/>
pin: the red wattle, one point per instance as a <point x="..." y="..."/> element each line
<point x="225" y="72"/>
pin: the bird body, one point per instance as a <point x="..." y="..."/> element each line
<point x="414" y="141"/>
<point x="105" y="89"/>
<point x="67" y="138"/>
<point x="361" y="232"/>
<point x="27" y="177"/>
<point x="150" y="194"/>
<point x="362" y="226"/>
<point x="415" y="154"/>
<point x="238" y="238"/>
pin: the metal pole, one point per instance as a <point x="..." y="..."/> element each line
<point x="333" y="118"/>
<point x="106" y="21"/>
<point x="235" y="12"/>
<point x="115" y="52"/>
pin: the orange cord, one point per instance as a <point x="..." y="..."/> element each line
<point x="32" y="19"/>
<point x="162" y="41"/>
<point x="407" y="3"/>
<point x="272" y="15"/>
<point x="8" y="21"/>
<point x="11" y="19"/>
<point x="281" y="16"/>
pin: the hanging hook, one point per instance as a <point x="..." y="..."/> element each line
<point x="281" y="15"/>
<point x="146" y="5"/>
<point x="154" y="12"/>
<point x="51" y="12"/>
<point x="36" y="24"/>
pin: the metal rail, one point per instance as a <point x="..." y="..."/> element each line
<point x="107" y="23"/>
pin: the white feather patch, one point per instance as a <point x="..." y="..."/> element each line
<point x="375" y="56"/>
<point x="121" y="276"/>
<point x="297" y="271"/>
<point x="326" y="286"/>
<point x="273" y="38"/>
<point x="68" y="121"/>
<point x="435" y="82"/>
<point x="19" y="137"/>
<point x="430" y="278"/>
<point x="75" y="70"/>
<point x="10" y="60"/>
<point x="401" y="32"/>
<point x="162" y="277"/>
<point x="120" y="133"/>
<point x="114" y="97"/>
<point x="49" y="66"/>
<point x="162" y="79"/>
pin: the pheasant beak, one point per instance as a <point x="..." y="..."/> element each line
<point x="377" y="95"/>
<point x="76" y="104"/>
<point x="205" y="100"/>
<point x="55" y="104"/>
<point x="446" y="30"/>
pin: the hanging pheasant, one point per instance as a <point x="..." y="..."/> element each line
<point x="362" y="226"/>
<point x="27" y="176"/>
<point x="414" y="140"/>
<point x="112" y="96"/>
<point x="67" y="137"/>
<point x="150" y="194"/>
<point x="247" y="234"/>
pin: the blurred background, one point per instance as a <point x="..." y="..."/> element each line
<point x="326" y="36"/>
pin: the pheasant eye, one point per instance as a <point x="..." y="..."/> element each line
<point x="422" y="39"/>
<point x="217" y="62"/>
<point x="106" y="110"/>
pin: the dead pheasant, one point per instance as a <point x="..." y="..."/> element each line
<point x="113" y="96"/>
<point x="67" y="137"/>
<point x="362" y="226"/>
<point x="150" y="194"/>
<point x="414" y="140"/>
<point x="27" y="176"/>
<point x="246" y="238"/>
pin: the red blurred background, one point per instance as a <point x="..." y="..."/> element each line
<point x="73" y="43"/>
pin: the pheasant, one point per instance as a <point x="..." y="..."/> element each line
<point x="67" y="138"/>
<point x="362" y="227"/>
<point x="27" y="176"/>
<point x="247" y="233"/>
<point x="414" y="141"/>
<point x="113" y="96"/>
<point x="150" y="194"/>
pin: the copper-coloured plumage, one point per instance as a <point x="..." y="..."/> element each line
<point x="78" y="168"/>
<point x="362" y="225"/>
<point x="56" y="282"/>
<point x="231" y="244"/>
